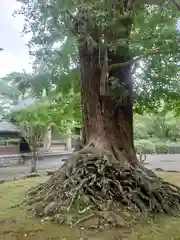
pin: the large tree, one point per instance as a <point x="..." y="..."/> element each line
<point x="106" y="175"/>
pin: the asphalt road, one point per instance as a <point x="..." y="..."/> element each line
<point x="167" y="162"/>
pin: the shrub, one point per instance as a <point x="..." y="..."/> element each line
<point x="155" y="146"/>
<point x="161" y="148"/>
<point x="170" y="148"/>
<point x="145" y="146"/>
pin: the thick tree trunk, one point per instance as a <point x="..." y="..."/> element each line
<point x="108" y="121"/>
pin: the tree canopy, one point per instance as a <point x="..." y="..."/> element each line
<point x="154" y="44"/>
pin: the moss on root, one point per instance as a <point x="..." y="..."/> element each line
<point x="95" y="185"/>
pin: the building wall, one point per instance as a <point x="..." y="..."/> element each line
<point x="11" y="160"/>
<point x="59" y="141"/>
<point x="11" y="149"/>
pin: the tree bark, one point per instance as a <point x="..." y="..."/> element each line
<point x="34" y="162"/>
<point x="108" y="121"/>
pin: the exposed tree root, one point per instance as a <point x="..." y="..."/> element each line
<point x="91" y="185"/>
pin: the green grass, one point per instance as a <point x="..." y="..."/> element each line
<point x="30" y="228"/>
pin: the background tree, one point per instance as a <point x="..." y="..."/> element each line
<point x="157" y="132"/>
<point x="58" y="110"/>
<point x="110" y="41"/>
<point x="12" y="92"/>
<point x="33" y="123"/>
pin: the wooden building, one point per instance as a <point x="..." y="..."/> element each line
<point x="11" y="139"/>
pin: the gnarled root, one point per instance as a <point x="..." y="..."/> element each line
<point x="92" y="185"/>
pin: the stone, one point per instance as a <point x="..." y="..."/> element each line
<point x="93" y="227"/>
<point x="32" y="175"/>
<point x="64" y="159"/>
<point x="39" y="209"/>
<point x="112" y="218"/>
<point x="48" y="219"/>
<point x="69" y="220"/>
<point x="49" y="172"/>
<point x="59" y="218"/>
<point x="50" y="209"/>
<point x="159" y="170"/>
<point x="15" y="205"/>
<point x="106" y="226"/>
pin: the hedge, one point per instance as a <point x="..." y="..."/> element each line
<point x="148" y="147"/>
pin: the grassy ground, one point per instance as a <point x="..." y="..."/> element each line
<point x="17" y="224"/>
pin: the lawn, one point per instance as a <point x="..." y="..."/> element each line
<point x="17" y="224"/>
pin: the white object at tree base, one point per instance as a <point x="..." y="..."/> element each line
<point x="69" y="141"/>
<point x="47" y="138"/>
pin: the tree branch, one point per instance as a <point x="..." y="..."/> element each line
<point x="176" y="4"/>
<point x="152" y="52"/>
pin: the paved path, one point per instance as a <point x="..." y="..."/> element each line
<point x="52" y="162"/>
<point x="167" y="162"/>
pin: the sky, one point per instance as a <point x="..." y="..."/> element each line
<point x="15" y="56"/>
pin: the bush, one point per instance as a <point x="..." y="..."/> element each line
<point x="170" y="148"/>
<point x="155" y="146"/>
<point x="145" y="146"/>
<point x="156" y="140"/>
<point x="140" y="132"/>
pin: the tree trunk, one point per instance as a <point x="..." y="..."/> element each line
<point x="34" y="161"/>
<point x="108" y="121"/>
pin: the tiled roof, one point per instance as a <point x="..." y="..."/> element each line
<point x="6" y="126"/>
